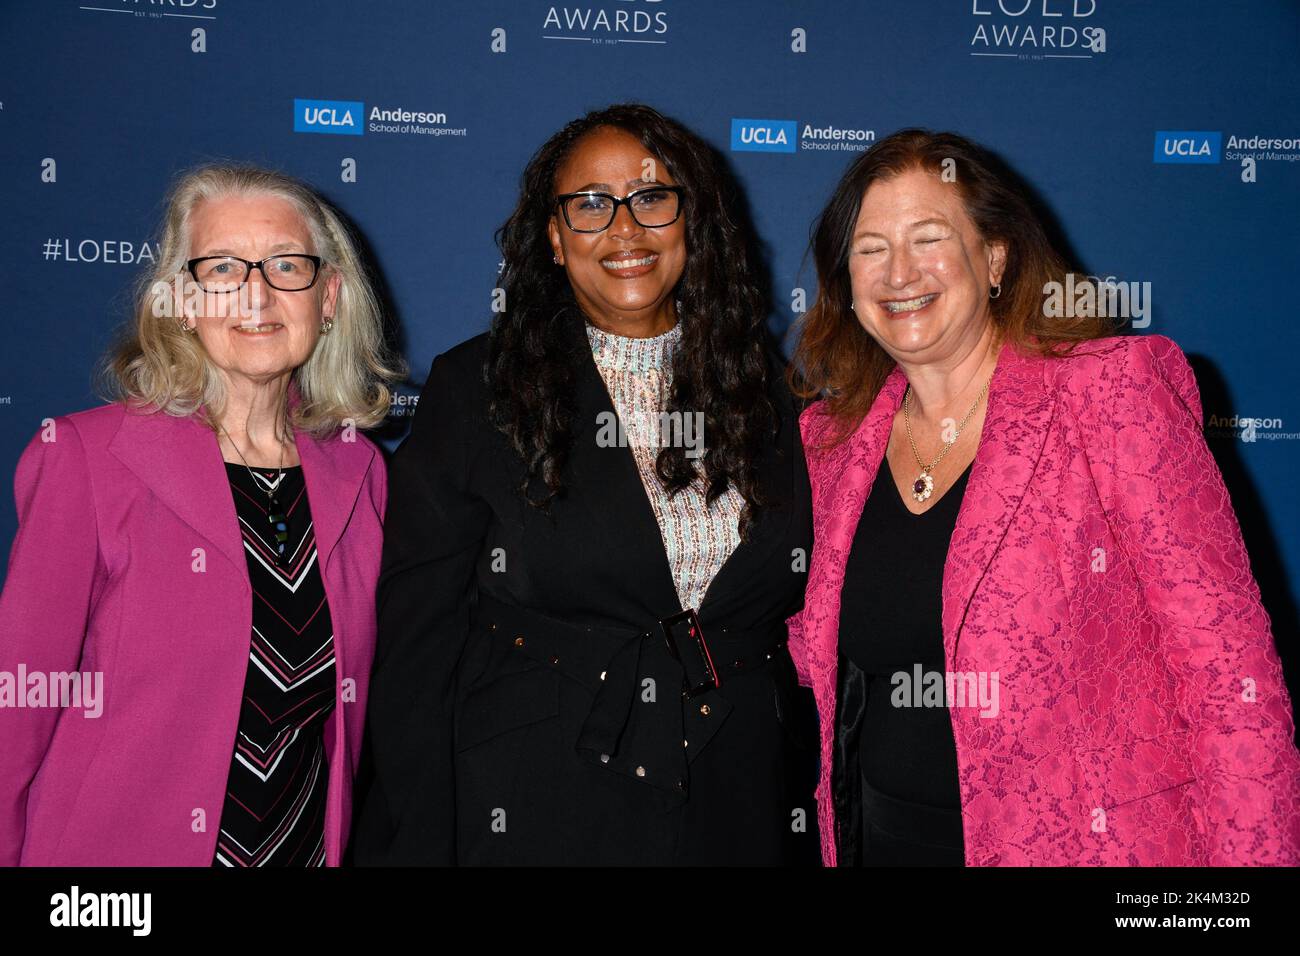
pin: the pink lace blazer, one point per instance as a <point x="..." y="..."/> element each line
<point x="1098" y="570"/>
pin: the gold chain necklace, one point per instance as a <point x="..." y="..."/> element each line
<point x="923" y="487"/>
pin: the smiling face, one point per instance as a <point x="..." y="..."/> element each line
<point x="623" y="277"/>
<point x="919" y="269"/>
<point x="261" y="333"/>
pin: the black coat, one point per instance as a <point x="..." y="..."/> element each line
<point x="517" y="713"/>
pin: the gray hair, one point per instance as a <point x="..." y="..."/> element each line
<point x="346" y="378"/>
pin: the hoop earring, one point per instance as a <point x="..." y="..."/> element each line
<point x="999" y="292"/>
<point x="326" y="324"/>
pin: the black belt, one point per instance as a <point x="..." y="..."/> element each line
<point x="655" y="693"/>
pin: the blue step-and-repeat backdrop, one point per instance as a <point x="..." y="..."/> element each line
<point x="1162" y="136"/>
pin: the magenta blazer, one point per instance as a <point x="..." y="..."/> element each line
<point x="129" y="561"/>
<point x="1097" y="567"/>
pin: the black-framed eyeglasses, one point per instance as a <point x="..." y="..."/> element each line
<point x="293" y="272"/>
<point x="652" y="207"/>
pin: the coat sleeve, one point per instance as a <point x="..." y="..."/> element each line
<point x="798" y="647"/>
<point x="797" y="641"/>
<point x="433" y="532"/>
<point x="1172" y="514"/>
<point x="44" y="608"/>
<point x="381" y="484"/>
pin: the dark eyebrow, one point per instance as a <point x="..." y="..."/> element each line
<point x="607" y="188"/>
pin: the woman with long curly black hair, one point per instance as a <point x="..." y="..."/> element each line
<point x="598" y="526"/>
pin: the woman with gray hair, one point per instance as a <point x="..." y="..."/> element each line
<point x="195" y="563"/>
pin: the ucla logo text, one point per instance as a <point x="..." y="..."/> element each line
<point x="328" y="116"/>
<point x="1187" y="146"/>
<point x="764" y="136"/>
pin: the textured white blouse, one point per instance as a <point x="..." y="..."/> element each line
<point x="697" y="537"/>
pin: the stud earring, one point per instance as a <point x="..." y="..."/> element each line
<point x="326" y="324"/>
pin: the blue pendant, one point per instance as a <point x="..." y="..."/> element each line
<point x="279" y="524"/>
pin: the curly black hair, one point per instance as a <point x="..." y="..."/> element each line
<point x="720" y="367"/>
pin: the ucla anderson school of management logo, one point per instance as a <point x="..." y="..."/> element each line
<point x="349" y="118"/>
<point x="1209" y="147"/>
<point x="786" y="136"/>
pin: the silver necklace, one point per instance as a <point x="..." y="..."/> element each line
<point x="275" y="515"/>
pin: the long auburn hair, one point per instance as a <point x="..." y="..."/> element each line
<point x="837" y="360"/>
<point x="719" y="367"/>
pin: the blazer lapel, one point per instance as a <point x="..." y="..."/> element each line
<point x="179" y="460"/>
<point x="611" y="472"/>
<point x="851" y="466"/>
<point x="334" y="470"/>
<point x="775" y="479"/>
<point x="1020" y="410"/>
<point x="615" y="470"/>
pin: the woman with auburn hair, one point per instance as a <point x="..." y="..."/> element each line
<point x="201" y="555"/>
<point x="602" y="504"/>
<point x="1030" y="625"/>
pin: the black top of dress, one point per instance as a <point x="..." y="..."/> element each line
<point x="274" y="812"/>
<point x="891" y="622"/>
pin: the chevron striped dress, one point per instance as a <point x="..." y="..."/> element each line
<point x="274" y="811"/>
